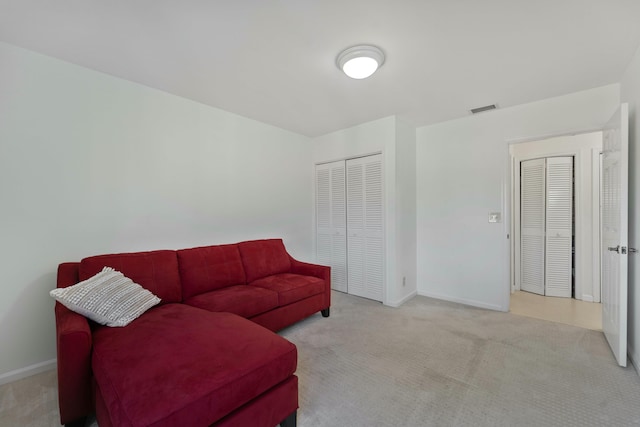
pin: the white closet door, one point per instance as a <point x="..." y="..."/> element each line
<point x="559" y="220"/>
<point x="532" y="220"/>
<point x="355" y="228"/>
<point x="331" y="236"/>
<point x="365" y="227"/>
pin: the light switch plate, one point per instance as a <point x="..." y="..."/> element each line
<point x="494" y="217"/>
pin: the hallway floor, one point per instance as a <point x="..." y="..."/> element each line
<point x="562" y="310"/>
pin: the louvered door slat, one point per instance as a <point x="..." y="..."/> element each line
<point x="323" y="249"/>
<point x="374" y="226"/>
<point x="373" y="196"/>
<point x="356" y="265"/>
<point x="323" y="198"/>
<point x="330" y="221"/>
<point x="338" y="227"/>
<point x="365" y="227"/>
<point x="532" y="220"/>
<point x="374" y="271"/>
<point x="338" y="196"/>
<point x="559" y="227"/>
<point x="355" y="196"/>
<point x="339" y="262"/>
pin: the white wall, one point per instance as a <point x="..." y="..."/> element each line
<point x="405" y="212"/>
<point x="92" y="164"/>
<point x="462" y="175"/>
<point x="584" y="148"/>
<point x="630" y="92"/>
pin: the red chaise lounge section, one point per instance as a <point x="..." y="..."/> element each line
<point x="206" y="355"/>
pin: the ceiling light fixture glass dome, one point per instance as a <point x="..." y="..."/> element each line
<point x="359" y="62"/>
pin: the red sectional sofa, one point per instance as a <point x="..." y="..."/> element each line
<point x="206" y="355"/>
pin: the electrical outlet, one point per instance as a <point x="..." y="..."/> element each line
<point x="404" y="281"/>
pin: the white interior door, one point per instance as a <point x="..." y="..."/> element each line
<point x="532" y="223"/>
<point x="331" y="235"/>
<point x="559" y="227"/>
<point x="615" y="165"/>
<point x="365" y="227"/>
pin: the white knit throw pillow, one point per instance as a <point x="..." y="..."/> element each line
<point x="109" y="298"/>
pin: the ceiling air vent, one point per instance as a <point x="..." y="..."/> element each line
<point x="483" y="109"/>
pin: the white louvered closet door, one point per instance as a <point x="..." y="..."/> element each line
<point x="365" y="227"/>
<point x="532" y="223"/>
<point x="559" y="225"/>
<point x="331" y="233"/>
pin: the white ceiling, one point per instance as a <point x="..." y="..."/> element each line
<point x="274" y="61"/>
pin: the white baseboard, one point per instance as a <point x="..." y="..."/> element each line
<point x="464" y="301"/>
<point x="587" y="298"/>
<point x="397" y="304"/>
<point x="634" y="358"/>
<point x="21" y="373"/>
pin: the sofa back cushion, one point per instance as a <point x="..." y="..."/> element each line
<point x="262" y="258"/>
<point x="211" y="267"/>
<point x="156" y="271"/>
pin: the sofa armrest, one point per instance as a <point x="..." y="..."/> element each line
<point x="73" y="343"/>
<point x="315" y="270"/>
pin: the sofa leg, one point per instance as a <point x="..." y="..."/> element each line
<point x="325" y="312"/>
<point x="290" y="421"/>
<point x="77" y="423"/>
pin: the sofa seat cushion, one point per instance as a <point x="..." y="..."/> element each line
<point x="291" y="287"/>
<point x="178" y="365"/>
<point x="243" y="300"/>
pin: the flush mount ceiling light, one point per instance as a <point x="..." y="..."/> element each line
<point x="359" y="62"/>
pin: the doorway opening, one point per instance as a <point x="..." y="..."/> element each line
<point x="555" y="224"/>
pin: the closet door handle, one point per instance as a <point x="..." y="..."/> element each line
<point x="614" y="248"/>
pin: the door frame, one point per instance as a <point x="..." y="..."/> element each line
<point x="512" y="208"/>
<point x="596" y="227"/>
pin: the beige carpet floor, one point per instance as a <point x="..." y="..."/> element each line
<point x="428" y="363"/>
